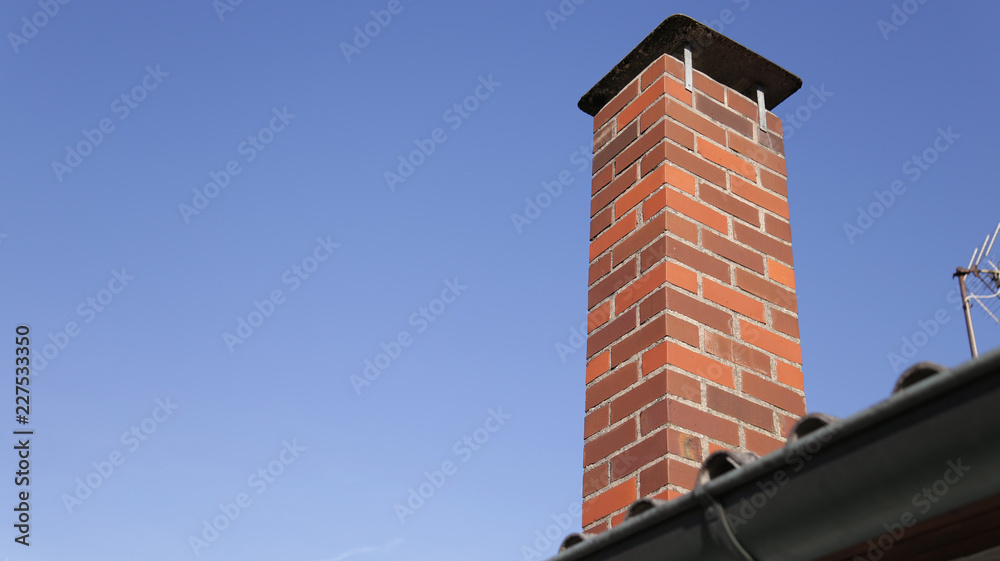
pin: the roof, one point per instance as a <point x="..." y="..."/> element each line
<point x="915" y="477"/>
<point x="718" y="56"/>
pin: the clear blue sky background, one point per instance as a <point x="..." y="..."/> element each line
<point x="322" y="176"/>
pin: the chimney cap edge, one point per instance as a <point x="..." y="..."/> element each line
<point x="714" y="54"/>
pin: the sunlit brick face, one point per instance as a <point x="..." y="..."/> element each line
<point x="693" y="343"/>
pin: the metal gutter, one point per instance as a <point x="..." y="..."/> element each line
<point x="837" y="486"/>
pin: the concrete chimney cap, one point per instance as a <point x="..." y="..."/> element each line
<point x="718" y="56"/>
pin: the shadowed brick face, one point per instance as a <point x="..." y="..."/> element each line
<point x="696" y="342"/>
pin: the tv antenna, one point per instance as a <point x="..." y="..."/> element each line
<point x="983" y="277"/>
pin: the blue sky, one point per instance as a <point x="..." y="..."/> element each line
<point x="278" y="140"/>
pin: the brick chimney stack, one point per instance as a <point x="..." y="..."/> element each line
<point x="693" y="343"/>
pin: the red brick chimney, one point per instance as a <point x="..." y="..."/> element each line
<point x="694" y="340"/>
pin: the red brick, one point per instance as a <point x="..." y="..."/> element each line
<point x="727" y="349"/>
<point x="700" y="312"/>
<point x="601" y="221"/>
<point x="771" y="141"/>
<point x="771" y="342"/>
<point x="598" y="365"/>
<point x="653" y="72"/>
<point x="595" y="421"/>
<point x="642" y="102"/>
<point x="787" y="423"/>
<point x="602" y="136"/>
<point x="677" y="90"/>
<point x="688" y="255"/>
<point x="724" y="115"/>
<point x="601" y="179"/>
<point x="703" y="83"/>
<point x="790" y="375"/>
<point x="699" y="364"/>
<point x="684" y="387"/>
<point x="781" y="273"/>
<point x="758" y="196"/>
<point x="785" y="323"/>
<point x="770" y="291"/>
<point x="627" y="94"/>
<point x="603" y="446"/>
<point x="757" y="153"/>
<point x="696" y="210"/>
<point x="599" y="268"/>
<point x="700" y="422"/>
<point x="648" y="449"/>
<point x="762" y="444"/>
<point x="774" y="183"/>
<point x="610" y="236"/>
<point x="742" y="104"/>
<point x="767" y="245"/>
<point x="743" y="409"/>
<point x="595" y="479"/>
<point x="685" y="116"/>
<point x="667" y="472"/>
<point x="654" y="203"/>
<point x="619" y="278"/>
<point x="621" y="140"/>
<point x="638" y="192"/>
<point x="726" y="159"/>
<point x="654" y="331"/>
<point x="609" y="194"/>
<point x="640" y="339"/>
<point x="598" y="317"/>
<point x="733" y="300"/>
<point x="640" y="238"/>
<point x="678" y="275"/>
<point x="736" y="253"/>
<point x="636" y="399"/>
<point x="674" y="67"/>
<point x="656" y="134"/>
<point x="678" y="156"/>
<point x="614" y="499"/>
<point x="751" y="358"/>
<point x="777" y="227"/>
<point x="774" y="123"/>
<point x="642" y="286"/>
<point x="728" y="203"/>
<point x="621" y="378"/>
<point x="654" y="304"/>
<point x="774" y="394"/>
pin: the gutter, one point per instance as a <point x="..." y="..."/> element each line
<point x="834" y="487"/>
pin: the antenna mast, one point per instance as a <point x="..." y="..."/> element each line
<point x="987" y="280"/>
